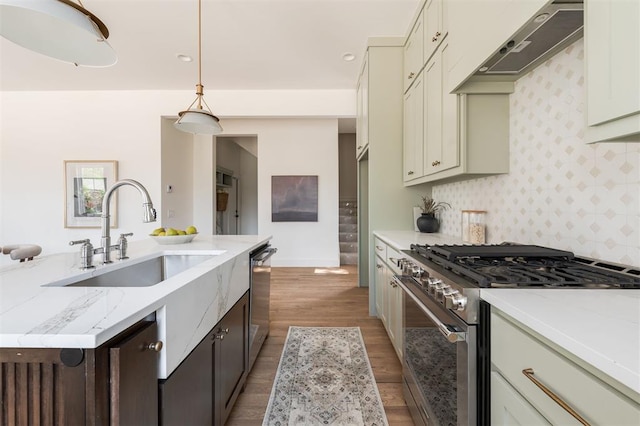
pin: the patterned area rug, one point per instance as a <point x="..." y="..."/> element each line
<point x="324" y="378"/>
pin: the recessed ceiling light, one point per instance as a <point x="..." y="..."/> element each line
<point x="348" y="56"/>
<point x="185" y="58"/>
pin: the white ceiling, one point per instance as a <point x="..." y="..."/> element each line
<point x="247" y="44"/>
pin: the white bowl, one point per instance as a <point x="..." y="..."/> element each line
<point x="173" y="239"/>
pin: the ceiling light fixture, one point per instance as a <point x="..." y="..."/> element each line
<point x="199" y="120"/>
<point x="61" y="29"/>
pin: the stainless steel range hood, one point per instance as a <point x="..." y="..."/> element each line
<point x="549" y="31"/>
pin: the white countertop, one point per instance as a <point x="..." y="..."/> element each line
<point x="600" y="327"/>
<point x="33" y="315"/>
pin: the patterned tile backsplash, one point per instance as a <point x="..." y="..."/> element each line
<point x="560" y="192"/>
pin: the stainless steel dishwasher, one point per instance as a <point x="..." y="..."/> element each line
<point x="259" y="299"/>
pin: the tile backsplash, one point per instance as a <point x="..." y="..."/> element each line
<point x="560" y="192"/>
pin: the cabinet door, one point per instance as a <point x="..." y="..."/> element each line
<point x="612" y="60"/>
<point x="380" y="280"/>
<point x="433" y="116"/>
<point x="509" y="408"/>
<point x="434" y="31"/>
<point x="395" y="315"/>
<point x="413" y="138"/>
<point x="186" y="396"/>
<point x="134" y="378"/>
<point x="450" y="151"/>
<point x="231" y="358"/>
<point x="413" y="51"/>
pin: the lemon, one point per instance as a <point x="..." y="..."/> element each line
<point x="157" y="231"/>
<point x="191" y="230"/>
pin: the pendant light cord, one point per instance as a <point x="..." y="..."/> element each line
<point x="200" y="42"/>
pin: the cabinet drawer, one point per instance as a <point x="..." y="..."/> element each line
<point x="392" y="259"/>
<point x="514" y="350"/>
<point x="380" y="248"/>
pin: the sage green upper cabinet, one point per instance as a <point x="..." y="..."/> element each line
<point x="435" y="25"/>
<point x="441" y="142"/>
<point x="413" y="50"/>
<point x="362" y="109"/>
<point x="612" y="61"/>
<point x="413" y="125"/>
<point x="478" y="29"/>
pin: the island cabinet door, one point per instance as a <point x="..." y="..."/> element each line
<point x="134" y="378"/>
<point x="186" y="396"/>
<point x="231" y="358"/>
<point x="36" y="387"/>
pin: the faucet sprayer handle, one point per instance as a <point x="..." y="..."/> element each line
<point x="122" y="246"/>
<point x="86" y="253"/>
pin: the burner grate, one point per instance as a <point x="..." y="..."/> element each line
<point x="527" y="266"/>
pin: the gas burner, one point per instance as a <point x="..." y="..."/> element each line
<point x="511" y="265"/>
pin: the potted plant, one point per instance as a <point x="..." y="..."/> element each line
<point x="428" y="222"/>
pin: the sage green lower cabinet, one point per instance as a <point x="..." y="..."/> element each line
<point x="388" y="294"/>
<point x="524" y="363"/>
<point x="204" y="387"/>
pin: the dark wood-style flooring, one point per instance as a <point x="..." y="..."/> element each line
<point x="321" y="297"/>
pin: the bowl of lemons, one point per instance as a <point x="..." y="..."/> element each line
<point x="174" y="236"/>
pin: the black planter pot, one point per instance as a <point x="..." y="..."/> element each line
<point x="428" y="223"/>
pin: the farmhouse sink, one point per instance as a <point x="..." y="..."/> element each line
<point x="143" y="274"/>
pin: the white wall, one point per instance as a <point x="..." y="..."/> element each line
<point x="176" y="207"/>
<point x="42" y="129"/>
<point x="560" y="192"/>
<point x="297" y="147"/>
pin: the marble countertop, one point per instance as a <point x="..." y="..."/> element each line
<point x="600" y="327"/>
<point x="36" y="315"/>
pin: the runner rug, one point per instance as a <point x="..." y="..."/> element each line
<point x="324" y="378"/>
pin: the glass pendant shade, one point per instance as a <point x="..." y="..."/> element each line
<point x="198" y="121"/>
<point x="60" y="29"/>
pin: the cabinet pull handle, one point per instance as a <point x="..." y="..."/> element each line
<point x="411" y="74"/>
<point x="528" y="372"/>
<point x="156" y="346"/>
<point x="378" y="248"/>
<point x="410" y="172"/>
<point x="392" y="284"/>
<point x="435" y="37"/>
<point x="435" y="163"/>
<point x="379" y="266"/>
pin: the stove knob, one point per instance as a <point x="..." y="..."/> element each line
<point x="447" y="291"/>
<point x="432" y="283"/>
<point x="455" y="301"/>
<point x="441" y="290"/>
<point x="417" y="271"/>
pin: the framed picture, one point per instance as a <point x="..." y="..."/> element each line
<point x="85" y="183"/>
<point x="294" y="198"/>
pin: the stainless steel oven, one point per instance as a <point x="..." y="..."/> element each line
<point x="446" y="350"/>
<point x="439" y="361"/>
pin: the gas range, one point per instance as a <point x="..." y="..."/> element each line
<point x="453" y="275"/>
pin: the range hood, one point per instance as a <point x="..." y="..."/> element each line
<point x="552" y="29"/>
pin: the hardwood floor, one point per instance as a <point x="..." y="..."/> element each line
<point x="321" y="297"/>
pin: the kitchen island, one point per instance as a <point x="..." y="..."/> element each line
<point x="598" y="328"/>
<point x="36" y="314"/>
<point x="100" y="354"/>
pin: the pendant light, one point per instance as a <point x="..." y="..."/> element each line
<point x="199" y="120"/>
<point x="61" y="29"/>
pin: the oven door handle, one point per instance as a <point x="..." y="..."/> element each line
<point x="449" y="333"/>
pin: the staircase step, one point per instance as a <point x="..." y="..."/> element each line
<point x="347" y="237"/>
<point x="348" y="219"/>
<point x="348" y="227"/>
<point x="348" y="258"/>
<point x="347" y="211"/>
<point x="348" y="247"/>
